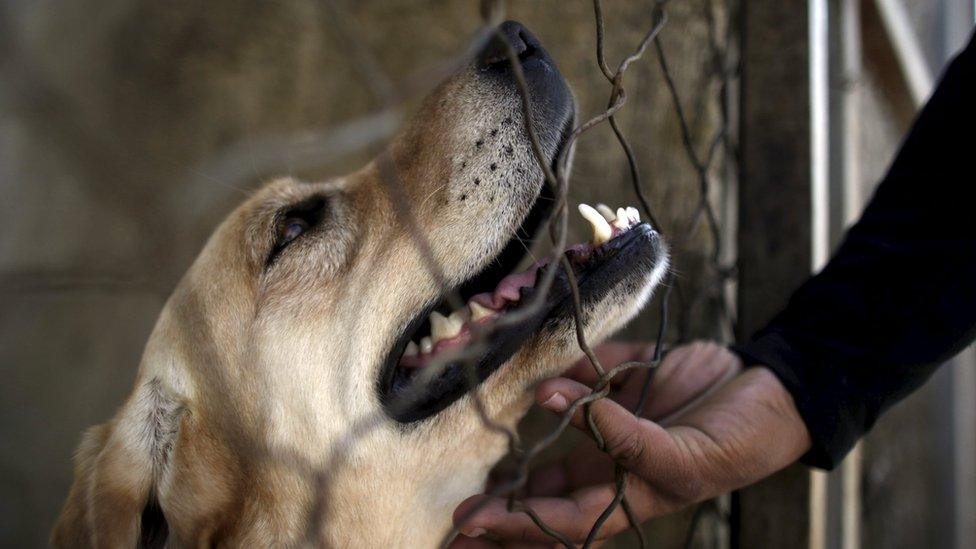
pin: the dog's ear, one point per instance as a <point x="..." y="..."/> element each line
<point x="111" y="503"/>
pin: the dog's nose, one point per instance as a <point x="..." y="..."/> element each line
<point x="525" y="45"/>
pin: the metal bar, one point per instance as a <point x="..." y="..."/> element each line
<point x="820" y="210"/>
<point x="851" y="472"/>
<point x="844" y="484"/>
<point x="845" y="87"/>
<point x="963" y="429"/>
<point x="958" y="19"/>
<point x="905" y="46"/>
<point x="819" y="133"/>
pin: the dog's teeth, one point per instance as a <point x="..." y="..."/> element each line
<point x="442" y="327"/>
<point x="479" y="311"/>
<point x="458" y="317"/>
<point x="622" y="222"/>
<point x="426" y="345"/>
<point x="411" y="350"/>
<point x="606" y="212"/>
<point x="601" y="229"/>
<point x="633" y="215"/>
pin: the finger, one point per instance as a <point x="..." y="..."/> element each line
<point x="609" y="354"/>
<point x="572" y="517"/>
<point x="635" y="443"/>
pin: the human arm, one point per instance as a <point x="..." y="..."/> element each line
<point x="899" y="296"/>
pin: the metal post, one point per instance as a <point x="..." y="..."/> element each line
<point x="782" y="224"/>
<point x="905" y="45"/>
<point x="958" y="410"/>
<point x="844" y="484"/>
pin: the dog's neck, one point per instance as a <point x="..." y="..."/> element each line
<point x="403" y="489"/>
<point x="395" y="493"/>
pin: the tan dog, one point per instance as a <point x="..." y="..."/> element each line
<point x="271" y="403"/>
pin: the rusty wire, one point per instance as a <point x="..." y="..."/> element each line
<point x="601" y="390"/>
<point x="492" y="12"/>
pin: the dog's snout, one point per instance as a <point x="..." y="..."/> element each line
<point x="523" y="43"/>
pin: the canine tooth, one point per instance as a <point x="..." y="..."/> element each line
<point x="606" y="212"/>
<point x="426" y="345"/>
<point x="622" y="222"/>
<point x="601" y="229"/>
<point x="442" y="327"/>
<point x="479" y="311"/>
<point x="411" y="350"/>
<point x="633" y="214"/>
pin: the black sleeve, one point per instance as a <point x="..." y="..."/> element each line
<point x="899" y="296"/>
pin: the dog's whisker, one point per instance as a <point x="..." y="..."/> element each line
<point x="429" y="196"/>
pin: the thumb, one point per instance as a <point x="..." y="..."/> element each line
<point x="637" y="444"/>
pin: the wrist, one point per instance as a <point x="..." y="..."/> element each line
<point x="784" y="419"/>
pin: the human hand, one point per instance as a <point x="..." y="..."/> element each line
<point x="709" y="427"/>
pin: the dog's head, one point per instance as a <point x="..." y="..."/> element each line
<point x="312" y="333"/>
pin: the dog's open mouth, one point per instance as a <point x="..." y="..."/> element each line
<point x="444" y="353"/>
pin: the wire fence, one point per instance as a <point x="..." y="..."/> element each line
<point x="713" y="168"/>
<point x="721" y="146"/>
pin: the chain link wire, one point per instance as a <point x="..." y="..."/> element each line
<point x="716" y="164"/>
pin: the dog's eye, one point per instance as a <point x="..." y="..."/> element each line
<point x="291" y="229"/>
<point x="296" y="221"/>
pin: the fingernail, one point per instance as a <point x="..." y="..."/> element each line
<point x="475" y="532"/>
<point x="557" y="403"/>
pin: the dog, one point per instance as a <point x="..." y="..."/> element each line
<point x="299" y="386"/>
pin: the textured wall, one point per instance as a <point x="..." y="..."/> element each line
<point x="108" y="110"/>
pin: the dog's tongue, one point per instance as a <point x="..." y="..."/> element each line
<point x="508" y="289"/>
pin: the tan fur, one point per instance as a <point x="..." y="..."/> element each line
<point x="254" y="420"/>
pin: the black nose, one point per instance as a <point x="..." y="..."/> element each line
<point x="525" y="45"/>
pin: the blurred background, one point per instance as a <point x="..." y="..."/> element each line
<point x="129" y="128"/>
